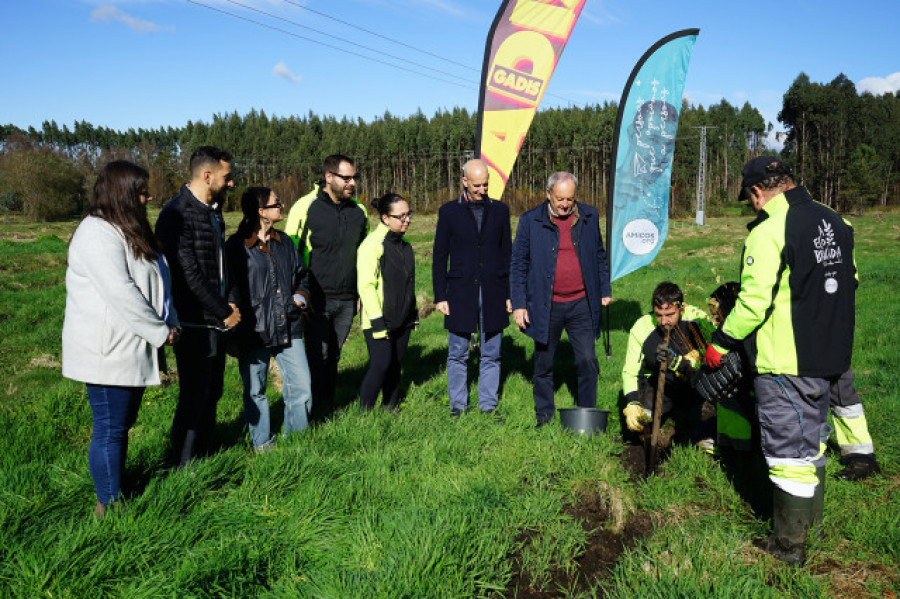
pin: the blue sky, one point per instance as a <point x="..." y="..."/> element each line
<point x="151" y="63"/>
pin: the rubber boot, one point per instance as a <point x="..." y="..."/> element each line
<point x="818" y="504"/>
<point x="791" y="516"/>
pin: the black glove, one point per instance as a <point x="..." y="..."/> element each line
<point x="675" y="362"/>
<point x="721" y="383"/>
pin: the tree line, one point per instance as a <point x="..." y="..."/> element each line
<point x="844" y="147"/>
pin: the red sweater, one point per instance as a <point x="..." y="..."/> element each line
<point x="569" y="284"/>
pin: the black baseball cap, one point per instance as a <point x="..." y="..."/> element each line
<point x="759" y="169"/>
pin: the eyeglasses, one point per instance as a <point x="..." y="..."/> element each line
<point x="278" y="204"/>
<point x="345" y="177"/>
<point x="402" y="217"/>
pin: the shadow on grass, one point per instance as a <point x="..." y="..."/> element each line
<point x="346" y="392"/>
<point x="518" y="359"/>
<point x="623" y="314"/>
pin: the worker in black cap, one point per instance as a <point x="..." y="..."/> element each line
<point x="797" y="302"/>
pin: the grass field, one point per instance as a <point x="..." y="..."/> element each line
<point x="417" y="505"/>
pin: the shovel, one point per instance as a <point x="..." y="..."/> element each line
<point x="657" y="408"/>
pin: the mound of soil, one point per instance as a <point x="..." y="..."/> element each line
<point x="604" y="547"/>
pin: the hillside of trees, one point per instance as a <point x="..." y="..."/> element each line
<point x="845" y="148"/>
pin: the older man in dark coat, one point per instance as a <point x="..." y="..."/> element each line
<point x="473" y="291"/>
<point x="559" y="280"/>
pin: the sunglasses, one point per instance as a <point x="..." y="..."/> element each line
<point x="278" y="204"/>
<point x="345" y="177"/>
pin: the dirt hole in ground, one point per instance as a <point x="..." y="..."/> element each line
<point x="634" y="460"/>
<point x="601" y="553"/>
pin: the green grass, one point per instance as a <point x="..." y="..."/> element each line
<point x="418" y="505"/>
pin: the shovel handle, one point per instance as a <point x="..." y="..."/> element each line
<point x="657" y="405"/>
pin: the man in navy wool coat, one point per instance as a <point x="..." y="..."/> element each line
<point x="472" y="291"/>
<point x="559" y="279"/>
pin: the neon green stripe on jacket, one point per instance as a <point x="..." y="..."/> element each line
<point x="296" y="221"/>
<point x="369" y="281"/>
<point x="632" y="369"/>
<point x="764" y="304"/>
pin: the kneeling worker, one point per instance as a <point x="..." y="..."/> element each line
<point x="690" y="329"/>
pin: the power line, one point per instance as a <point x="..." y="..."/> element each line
<point x="322" y="43"/>
<point x="398" y="42"/>
<point x="384" y="37"/>
<point x="313" y="29"/>
<point x="326" y="44"/>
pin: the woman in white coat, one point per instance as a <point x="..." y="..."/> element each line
<point x="118" y="312"/>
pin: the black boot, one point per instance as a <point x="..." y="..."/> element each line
<point x="859" y="466"/>
<point x="818" y="504"/>
<point x="791" y="517"/>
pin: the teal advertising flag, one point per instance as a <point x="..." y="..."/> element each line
<point x="637" y="219"/>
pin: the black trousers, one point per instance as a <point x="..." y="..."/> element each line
<point x="383" y="375"/>
<point x="200" y="356"/>
<point x="327" y="330"/>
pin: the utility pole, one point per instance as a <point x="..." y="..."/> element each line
<point x="701" y="177"/>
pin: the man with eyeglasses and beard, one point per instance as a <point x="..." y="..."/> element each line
<point x="328" y="225"/>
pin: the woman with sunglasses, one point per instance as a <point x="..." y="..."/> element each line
<point x="386" y="282"/>
<point x="268" y="282"/>
<point x="118" y="313"/>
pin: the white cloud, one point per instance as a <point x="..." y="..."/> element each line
<point x="281" y="70"/>
<point x="600" y="15"/>
<point x="109" y="14"/>
<point x="878" y="86"/>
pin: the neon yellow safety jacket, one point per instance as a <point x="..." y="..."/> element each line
<point x="385" y="282"/>
<point x="798" y="285"/>
<point x="694" y="330"/>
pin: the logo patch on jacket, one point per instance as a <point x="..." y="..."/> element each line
<point x="827" y="251"/>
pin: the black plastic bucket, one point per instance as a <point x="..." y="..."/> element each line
<point x="585" y="421"/>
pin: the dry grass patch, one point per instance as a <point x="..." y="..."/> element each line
<point x="45" y="361"/>
<point x="848" y="579"/>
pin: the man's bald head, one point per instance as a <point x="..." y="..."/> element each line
<point x="475" y="179"/>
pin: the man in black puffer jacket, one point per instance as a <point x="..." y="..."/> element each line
<point x="190" y="228"/>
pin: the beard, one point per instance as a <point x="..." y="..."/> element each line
<point x="218" y="195"/>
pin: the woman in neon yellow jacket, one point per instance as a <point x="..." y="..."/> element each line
<point x="386" y="283"/>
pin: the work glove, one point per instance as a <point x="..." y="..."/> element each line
<point x="721" y="383"/>
<point x="664" y="353"/>
<point x="636" y="417"/>
<point x="680" y="365"/>
<point x="713" y="357"/>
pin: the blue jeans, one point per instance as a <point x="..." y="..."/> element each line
<point x="575" y="318"/>
<point x="488" y="375"/>
<point x="329" y="325"/>
<point x="114" y="410"/>
<point x="254" y="368"/>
